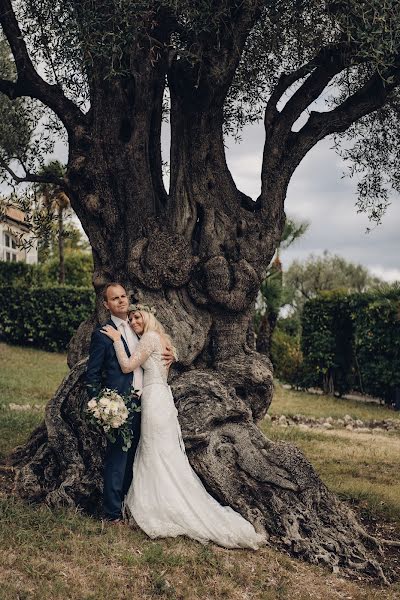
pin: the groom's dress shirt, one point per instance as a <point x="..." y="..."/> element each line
<point x="132" y="340"/>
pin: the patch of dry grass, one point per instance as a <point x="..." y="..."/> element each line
<point x="55" y="555"/>
<point x="360" y="467"/>
<point x="28" y="375"/>
<point x="291" y="402"/>
<point x="357" y="466"/>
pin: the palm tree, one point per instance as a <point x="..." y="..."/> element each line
<point x="271" y="297"/>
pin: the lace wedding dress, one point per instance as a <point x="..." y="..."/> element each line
<point x="166" y="497"/>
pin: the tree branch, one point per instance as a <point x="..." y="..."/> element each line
<point x="31" y="177"/>
<point x="8" y="88"/>
<point x="220" y="49"/>
<point x="29" y="82"/>
<point x="369" y="98"/>
<point x="321" y="70"/>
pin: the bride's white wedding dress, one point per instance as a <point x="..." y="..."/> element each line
<point x="166" y="497"/>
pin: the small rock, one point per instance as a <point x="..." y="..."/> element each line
<point x="267" y="418"/>
<point x="347" y="419"/>
<point x="349" y="427"/>
<point x="359" y="423"/>
<point x="329" y="420"/>
<point x="19" y="407"/>
<point x="282" y="421"/>
<point x="304" y="427"/>
<point x="340" y="422"/>
<point x="327" y="425"/>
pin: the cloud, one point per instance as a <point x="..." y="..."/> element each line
<point x="390" y="275"/>
<point x="319" y="193"/>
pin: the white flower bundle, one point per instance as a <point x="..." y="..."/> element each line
<point x="109" y="410"/>
<point x="113" y="414"/>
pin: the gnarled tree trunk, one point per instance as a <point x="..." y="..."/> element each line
<point x="199" y="255"/>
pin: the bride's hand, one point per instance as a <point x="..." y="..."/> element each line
<point x="112" y="333"/>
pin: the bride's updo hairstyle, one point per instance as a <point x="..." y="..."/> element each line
<point x="151" y="323"/>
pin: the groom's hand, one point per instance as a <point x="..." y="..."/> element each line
<point x="168" y="357"/>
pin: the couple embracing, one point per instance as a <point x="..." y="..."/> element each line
<point x="154" y="479"/>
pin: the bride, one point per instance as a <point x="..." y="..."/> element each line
<point x="166" y="497"/>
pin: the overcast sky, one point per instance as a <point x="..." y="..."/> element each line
<point x="319" y="194"/>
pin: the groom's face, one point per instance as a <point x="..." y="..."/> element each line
<point x="117" y="301"/>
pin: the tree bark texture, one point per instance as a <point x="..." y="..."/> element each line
<point x="199" y="254"/>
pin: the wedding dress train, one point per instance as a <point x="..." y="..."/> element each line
<point x="166" y="497"/>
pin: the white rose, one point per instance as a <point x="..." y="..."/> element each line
<point x="104" y="401"/>
<point x="114" y="407"/>
<point x="92" y="404"/>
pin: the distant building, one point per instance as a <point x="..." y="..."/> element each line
<point x="11" y="228"/>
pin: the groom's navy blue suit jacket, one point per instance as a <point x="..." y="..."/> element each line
<point x="103" y="370"/>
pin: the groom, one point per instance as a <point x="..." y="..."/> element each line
<point x="103" y="371"/>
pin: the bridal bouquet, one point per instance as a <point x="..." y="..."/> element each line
<point x="113" y="414"/>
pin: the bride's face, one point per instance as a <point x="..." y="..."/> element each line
<point x="136" y="321"/>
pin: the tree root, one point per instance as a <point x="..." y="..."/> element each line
<point x="270" y="483"/>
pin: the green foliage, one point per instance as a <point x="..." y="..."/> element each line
<point x="377" y="343"/>
<point x="23" y="140"/>
<point x="353" y="342"/>
<point x="287" y="358"/>
<point x="16" y="123"/>
<point x="18" y="273"/>
<point x="78" y="271"/>
<point x="43" y="317"/>
<point x="273" y="295"/>
<point x="305" y="280"/>
<point x="327" y="332"/>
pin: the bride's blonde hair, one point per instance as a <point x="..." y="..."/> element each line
<point x="151" y="323"/>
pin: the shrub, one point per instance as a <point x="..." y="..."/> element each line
<point x="78" y="269"/>
<point x="287" y="358"/>
<point x="19" y="273"/>
<point x="353" y="342"/>
<point x="43" y="317"/>
<point x="377" y="344"/>
<point x="327" y="332"/>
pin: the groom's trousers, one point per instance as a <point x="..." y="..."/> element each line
<point x="118" y="470"/>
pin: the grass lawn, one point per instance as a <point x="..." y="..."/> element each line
<point x="360" y="467"/>
<point x="54" y="555"/>
<point x="27" y="376"/>
<point x="292" y="402"/>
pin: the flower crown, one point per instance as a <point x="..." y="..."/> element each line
<point x="139" y="307"/>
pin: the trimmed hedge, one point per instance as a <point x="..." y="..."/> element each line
<point x="326" y="343"/>
<point x="78" y="271"/>
<point x="377" y="346"/>
<point x="19" y="273"/>
<point x="353" y="342"/>
<point x="44" y="317"/>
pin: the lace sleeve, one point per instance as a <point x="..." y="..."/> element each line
<point x="145" y="347"/>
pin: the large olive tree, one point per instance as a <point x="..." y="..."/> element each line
<point x="199" y="251"/>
